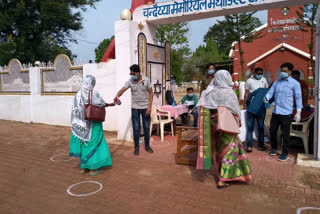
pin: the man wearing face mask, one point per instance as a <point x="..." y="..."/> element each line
<point x="284" y="90"/>
<point x="256" y="81"/>
<point x="141" y="102"/>
<point x="208" y="78"/>
<point x="191" y="100"/>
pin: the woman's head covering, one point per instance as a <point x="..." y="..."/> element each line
<point x="89" y="82"/>
<point x="220" y="93"/>
<point x="81" y="128"/>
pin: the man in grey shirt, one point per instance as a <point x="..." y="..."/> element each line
<point x="141" y="102"/>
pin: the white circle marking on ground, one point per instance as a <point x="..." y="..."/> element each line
<point x="82" y="195"/>
<point x="52" y="158"/>
<point x="301" y="209"/>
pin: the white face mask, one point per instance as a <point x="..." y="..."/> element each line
<point x="211" y="71"/>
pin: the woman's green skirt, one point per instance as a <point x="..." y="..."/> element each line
<point x="93" y="154"/>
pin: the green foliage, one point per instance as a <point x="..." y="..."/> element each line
<point x="307" y="22"/>
<point x="238" y="27"/>
<point x="38" y="29"/>
<point x="101" y="49"/>
<point x="203" y="55"/>
<point x="176" y="35"/>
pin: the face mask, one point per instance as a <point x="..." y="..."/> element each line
<point x="190" y="95"/>
<point x="211" y="71"/>
<point x="297" y="78"/>
<point x="258" y="77"/>
<point x="284" y="75"/>
<point x="134" y="77"/>
<point x="173" y="81"/>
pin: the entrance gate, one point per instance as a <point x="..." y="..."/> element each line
<point x="148" y="16"/>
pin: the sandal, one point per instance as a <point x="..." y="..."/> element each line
<point x="83" y="171"/>
<point x="94" y="173"/>
<point x="222" y="186"/>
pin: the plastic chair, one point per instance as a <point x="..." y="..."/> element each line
<point x="159" y="117"/>
<point x="304" y="133"/>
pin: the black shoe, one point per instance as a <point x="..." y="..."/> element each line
<point x="148" y="149"/>
<point x="262" y="148"/>
<point x="136" y="151"/>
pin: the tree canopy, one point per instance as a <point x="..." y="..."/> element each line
<point x="224" y="33"/>
<point x="101" y="49"/>
<point x="176" y="35"/>
<point x="307" y="22"/>
<point x="32" y="30"/>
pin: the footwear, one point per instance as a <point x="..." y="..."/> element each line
<point x="262" y="148"/>
<point x="148" y="149"/>
<point x="273" y="152"/>
<point x="83" y="171"/>
<point x="136" y="151"/>
<point x="283" y="157"/>
<point x="222" y="186"/>
<point x="249" y="149"/>
<point x="94" y="173"/>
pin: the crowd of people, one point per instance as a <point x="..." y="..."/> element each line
<point x="216" y="114"/>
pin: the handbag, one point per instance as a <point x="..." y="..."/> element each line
<point x="92" y="112"/>
<point x="227" y="121"/>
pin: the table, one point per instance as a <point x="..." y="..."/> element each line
<point x="174" y="111"/>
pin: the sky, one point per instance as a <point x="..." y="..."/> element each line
<point x="98" y="24"/>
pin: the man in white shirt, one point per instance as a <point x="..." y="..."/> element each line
<point x="256" y="81"/>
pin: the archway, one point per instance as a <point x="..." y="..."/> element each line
<point x="148" y="16"/>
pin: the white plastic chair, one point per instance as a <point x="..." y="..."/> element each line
<point x="159" y="117"/>
<point x="304" y="133"/>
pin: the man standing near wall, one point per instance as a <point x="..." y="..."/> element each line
<point x="284" y="90"/>
<point x="141" y="103"/>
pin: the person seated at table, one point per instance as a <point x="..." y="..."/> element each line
<point x="190" y="100"/>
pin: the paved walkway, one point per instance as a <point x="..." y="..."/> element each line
<point x="36" y="172"/>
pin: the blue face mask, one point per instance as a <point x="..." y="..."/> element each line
<point x="259" y="77"/>
<point x="134" y="77"/>
<point x="190" y="95"/>
<point x="173" y="82"/>
<point x="211" y="71"/>
<point x="284" y="75"/>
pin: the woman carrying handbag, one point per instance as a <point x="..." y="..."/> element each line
<point x="218" y="142"/>
<point x="87" y="140"/>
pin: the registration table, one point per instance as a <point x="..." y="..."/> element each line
<point x="174" y="111"/>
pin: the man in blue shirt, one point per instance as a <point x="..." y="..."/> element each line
<point x="256" y="110"/>
<point x="284" y="91"/>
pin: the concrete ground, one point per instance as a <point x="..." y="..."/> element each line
<point x="36" y="172"/>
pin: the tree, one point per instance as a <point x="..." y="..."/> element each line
<point x="204" y="54"/>
<point x="307" y="22"/>
<point x="176" y="35"/>
<point x="33" y="30"/>
<point x="238" y="27"/>
<point x="101" y="49"/>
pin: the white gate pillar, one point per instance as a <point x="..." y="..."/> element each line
<point x="316" y="150"/>
<point x="126" y="33"/>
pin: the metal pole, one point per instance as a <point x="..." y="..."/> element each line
<point x="316" y="141"/>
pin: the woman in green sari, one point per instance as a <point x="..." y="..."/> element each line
<point x="87" y="140"/>
<point x="215" y="147"/>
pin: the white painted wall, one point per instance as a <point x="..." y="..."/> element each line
<point x="56" y="110"/>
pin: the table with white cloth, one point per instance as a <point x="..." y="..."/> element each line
<point x="243" y="129"/>
<point x="175" y="111"/>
